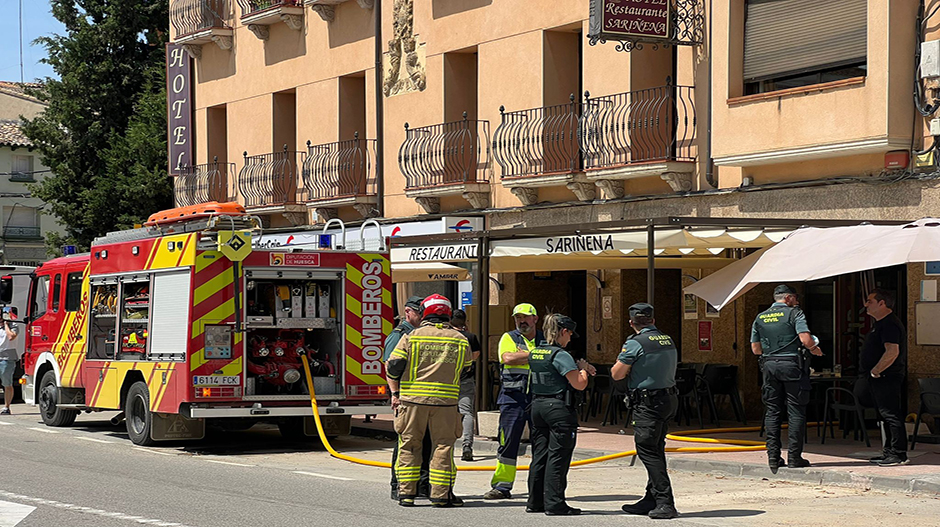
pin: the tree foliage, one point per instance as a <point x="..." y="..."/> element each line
<point x="103" y="134"/>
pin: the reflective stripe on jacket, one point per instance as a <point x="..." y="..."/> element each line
<point x="435" y="354"/>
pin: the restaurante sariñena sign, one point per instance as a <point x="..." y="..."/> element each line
<point x="630" y="19"/>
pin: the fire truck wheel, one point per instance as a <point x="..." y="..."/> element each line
<point x="52" y="415"/>
<point x="137" y="414"/>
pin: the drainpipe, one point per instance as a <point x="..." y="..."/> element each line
<point x="379" y="114"/>
<point x="709" y="161"/>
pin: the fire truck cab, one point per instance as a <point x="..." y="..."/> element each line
<point x="183" y="321"/>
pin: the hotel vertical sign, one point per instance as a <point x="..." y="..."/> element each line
<point x="640" y="20"/>
<point x="179" y="108"/>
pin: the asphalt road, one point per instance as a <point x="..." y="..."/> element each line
<point x="91" y="474"/>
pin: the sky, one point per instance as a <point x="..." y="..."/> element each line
<point x="37" y="21"/>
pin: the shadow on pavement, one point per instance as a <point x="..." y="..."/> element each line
<point x="722" y="513"/>
<point x="606" y="497"/>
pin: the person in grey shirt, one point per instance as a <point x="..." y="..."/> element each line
<point x="467" y="383"/>
<point x="8" y="358"/>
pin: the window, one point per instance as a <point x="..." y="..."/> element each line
<point x="73" y="291"/>
<point x="56" y="293"/>
<point x="22" y="169"/>
<point x="40" y="297"/>
<point x="794" y="43"/>
<point x="21" y="222"/>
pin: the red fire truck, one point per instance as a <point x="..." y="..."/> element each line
<point x="182" y="321"/>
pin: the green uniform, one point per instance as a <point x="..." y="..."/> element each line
<point x="554" y="427"/>
<point x="778" y="329"/>
<point x="652" y="357"/>
<point x="786" y="379"/>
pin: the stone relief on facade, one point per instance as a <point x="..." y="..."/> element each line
<point x="405" y="59"/>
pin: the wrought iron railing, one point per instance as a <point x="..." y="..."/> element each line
<point x="655" y="124"/>
<point x="253" y="6"/>
<point x="340" y="170"/>
<point x="538" y="141"/>
<point x="270" y="179"/>
<point x="206" y="182"/>
<point x="446" y="154"/>
<point x="14" y="232"/>
<point x="190" y="16"/>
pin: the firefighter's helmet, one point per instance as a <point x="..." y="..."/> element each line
<point x="436" y="305"/>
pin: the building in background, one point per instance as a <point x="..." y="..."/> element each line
<point x="23" y="224"/>
<point x="505" y="111"/>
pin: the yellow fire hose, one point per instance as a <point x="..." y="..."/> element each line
<point x="741" y="445"/>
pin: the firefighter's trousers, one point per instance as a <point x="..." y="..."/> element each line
<point x="412" y="421"/>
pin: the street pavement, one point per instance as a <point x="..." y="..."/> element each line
<point x="91" y="474"/>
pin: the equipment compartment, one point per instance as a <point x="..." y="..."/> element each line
<point x="288" y="319"/>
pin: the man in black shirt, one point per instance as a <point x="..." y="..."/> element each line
<point x="467" y="383"/>
<point x="883" y="364"/>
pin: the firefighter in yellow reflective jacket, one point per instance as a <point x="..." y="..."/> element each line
<point x="424" y="380"/>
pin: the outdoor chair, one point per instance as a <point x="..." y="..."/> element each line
<point x="929" y="404"/>
<point x="849" y="405"/>
<point x="615" y="404"/>
<point x="495" y="383"/>
<point x="722" y="380"/>
<point x="688" y="395"/>
<point x="704" y="395"/>
<point x="598" y="387"/>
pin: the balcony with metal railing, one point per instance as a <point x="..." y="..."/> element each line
<point x="258" y="15"/>
<point x="641" y="133"/>
<point x="447" y="159"/>
<point x="16" y="232"/>
<point x="197" y="184"/>
<point x="599" y="142"/>
<point x="198" y="22"/>
<point x="341" y="174"/>
<point x="268" y="184"/>
<point x="539" y="147"/>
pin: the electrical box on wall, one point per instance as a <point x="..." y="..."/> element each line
<point x="930" y="59"/>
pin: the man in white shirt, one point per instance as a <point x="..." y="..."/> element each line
<point x="8" y="358"/>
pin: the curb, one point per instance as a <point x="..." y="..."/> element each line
<point x="811" y="476"/>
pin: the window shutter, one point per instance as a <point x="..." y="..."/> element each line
<point x="169" y="322"/>
<point x="787" y="37"/>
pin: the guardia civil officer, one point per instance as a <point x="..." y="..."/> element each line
<point x="553" y="376"/>
<point x="648" y="361"/>
<point x="776" y="336"/>
<point x="513" y="401"/>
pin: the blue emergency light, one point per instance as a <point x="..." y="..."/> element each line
<point x="69" y="249"/>
<point x="326" y="241"/>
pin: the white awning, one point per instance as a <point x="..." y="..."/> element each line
<point x="427" y="272"/>
<point x="812" y="253"/>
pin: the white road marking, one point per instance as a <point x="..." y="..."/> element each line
<point x="68" y="506"/>
<point x="43" y="430"/>
<point x="321" y="475"/>
<point x="227" y="463"/>
<point x="6" y="423"/>
<point x="13" y="513"/>
<point x="93" y="439"/>
<point x="153" y="451"/>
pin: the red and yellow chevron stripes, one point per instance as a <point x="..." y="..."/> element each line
<point x="105" y="393"/>
<point x="69" y="346"/>
<point x="368" y="317"/>
<point x="213" y="302"/>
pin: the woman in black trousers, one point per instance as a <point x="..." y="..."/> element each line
<point x="553" y="377"/>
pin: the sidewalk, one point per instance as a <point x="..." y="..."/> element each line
<point x="840" y="462"/>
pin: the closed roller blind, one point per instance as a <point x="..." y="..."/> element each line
<point x="791" y="36"/>
<point x="169" y="314"/>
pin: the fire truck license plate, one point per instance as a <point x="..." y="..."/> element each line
<point x="215" y="380"/>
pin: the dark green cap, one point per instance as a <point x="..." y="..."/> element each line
<point x="784" y="289"/>
<point x="569" y="324"/>
<point x="641" y="308"/>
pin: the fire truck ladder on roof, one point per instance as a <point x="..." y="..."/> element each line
<point x="210" y="225"/>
